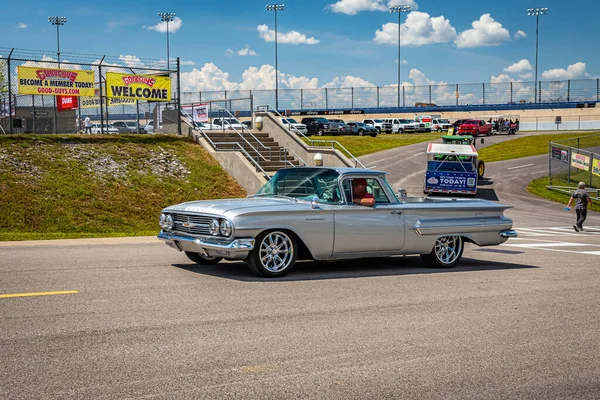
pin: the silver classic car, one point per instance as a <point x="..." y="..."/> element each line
<point x="311" y="213"/>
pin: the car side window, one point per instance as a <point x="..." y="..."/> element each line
<point x="374" y="187"/>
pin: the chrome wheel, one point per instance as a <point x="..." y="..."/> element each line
<point x="274" y="254"/>
<point x="448" y="249"/>
<point x="446" y="252"/>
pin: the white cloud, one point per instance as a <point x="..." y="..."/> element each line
<point x="246" y="51"/>
<point x="528" y="75"/>
<point x="403" y="62"/>
<point x="186" y="62"/>
<point x="519" y="67"/>
<point x="210" y="77"/>
<point x="174" y="26"/>
<point x="22" y="25"/>
<point x="573" y="71"/>
<point x="353" y="7"/>
<point x="419" y="29"/>
<point x="502" y="78"/>
<point x="291" y="37"/>
<point x="520" y="34"/>
<point x="347" y="82"/>
<point x="131" y="61"/>
<point x="486" y="32"/>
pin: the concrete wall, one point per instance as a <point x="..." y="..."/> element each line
<point x="331" y="156"/>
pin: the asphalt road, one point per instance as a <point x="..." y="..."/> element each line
<point x="513" y="321"/>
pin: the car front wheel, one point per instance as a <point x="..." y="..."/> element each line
<point x="319" y="132"/>
<point x="202" y="260"/>
<point x="446" y="252"/>
<point x="274" y="254"/>
<point x="361" y="132"/>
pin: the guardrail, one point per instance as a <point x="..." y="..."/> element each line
<point x="333" y="143"/>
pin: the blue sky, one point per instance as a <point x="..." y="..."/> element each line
<point x="229" y="45"/>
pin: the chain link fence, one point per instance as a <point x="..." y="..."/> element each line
<point x="569" y="164"/>
<point x="577" y="91"/>
<point x="35" y="112"/>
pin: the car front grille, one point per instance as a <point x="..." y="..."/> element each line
<point x="194" y="224"/>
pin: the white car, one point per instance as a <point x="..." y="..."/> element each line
<point x="206" y="126"/>
<point x="228" y="123"/>
<point x="107" y="129"/>
<point x="149" y="127"/>
<point x="379" y="124"/>
<point x="294" y="126"/>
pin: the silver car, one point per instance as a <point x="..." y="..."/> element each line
<point x="308" y="213"/>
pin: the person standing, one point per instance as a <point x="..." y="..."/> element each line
<point x="88" y="124"/>
<point x="582" y="199"/>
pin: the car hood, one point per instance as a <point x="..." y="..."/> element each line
<point x="219" y="207"/>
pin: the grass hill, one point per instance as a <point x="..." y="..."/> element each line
<point x="74" y="186"/>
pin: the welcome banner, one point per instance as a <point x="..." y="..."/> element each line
<point x="138" y="87"/>
<point x="52" y="81"/>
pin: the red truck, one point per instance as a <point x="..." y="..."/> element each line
<point x="475" y="127"/>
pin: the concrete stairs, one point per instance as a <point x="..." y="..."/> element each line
<point x="273" y="155"/>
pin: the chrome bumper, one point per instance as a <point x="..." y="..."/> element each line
<point x="237" y="249"/>
<point x="509" y="234"/>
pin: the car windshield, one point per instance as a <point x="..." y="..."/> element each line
<point x="289" y="121"/>
<point x="303" y="183"/>
<point x="131" y="124"/>
<point x="321" y="120"/>
<point x="443" y="121"/>
<point x="378" y="121"/>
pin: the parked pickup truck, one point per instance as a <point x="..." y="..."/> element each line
<point x="475" y="127"/>
<point x="320" y="126"/>
<point x="380" y="124"/>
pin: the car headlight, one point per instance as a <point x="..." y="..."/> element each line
<point x="213" y="227"/>
<point x="166" y="221"/>
<point x="226" y="228"/>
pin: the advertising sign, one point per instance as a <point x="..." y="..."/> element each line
<point x="560" y="154"/>
<point x="198" y="112"/>
<point x="64" y="103"/>
<point x="451" y="181"/>
<point x="580" y="161"/>
<point x="330" y="112"/>
<point x="52" y="82"/>
<point x="138" y="87"/>
<point x="94" y="102"/>
<point x="596" y="167"/>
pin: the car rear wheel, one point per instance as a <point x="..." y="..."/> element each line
<point x="202" y="260"/>
<point x="361" y="132"/>
<point x="274" y="254"/>
<point x="319" y="132"/>
<point x="439" y="130"/>
<point x="446" y="252"/>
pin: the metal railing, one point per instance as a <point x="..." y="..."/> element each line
<point x="215" y="145"/>
<point x="333" y="143"/>
<point x="285" y="151"/>
<point x="245" y="141"/>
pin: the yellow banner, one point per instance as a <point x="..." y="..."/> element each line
<point x="596" y="167"/>
<point x="138" y="87"/>
<point x="94" y="102"/>
<point x="51" y="81"/>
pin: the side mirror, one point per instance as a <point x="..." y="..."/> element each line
<point x="401" y="192"/>
<point x="314" y="202"/>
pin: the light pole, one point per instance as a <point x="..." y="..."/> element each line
<point x="537" y="12"/>
<point x="58" y="21"/>
<point x="166" y="17"/>
<point x="276" y="7"/>
<point x="399" y="10"/>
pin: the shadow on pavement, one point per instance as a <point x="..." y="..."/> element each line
<point x="487" y="194"/>
<point x="344" y="269"/>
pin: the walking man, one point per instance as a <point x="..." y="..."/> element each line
<point x="582" y="199"/>
<point x="88" y="125"/>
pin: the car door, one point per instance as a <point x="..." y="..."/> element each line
<point x="361" y="230"/>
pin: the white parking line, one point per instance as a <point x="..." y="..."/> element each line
<point x="521" y="166"/>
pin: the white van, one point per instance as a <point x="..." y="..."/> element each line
<point x="402" y="125"/>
